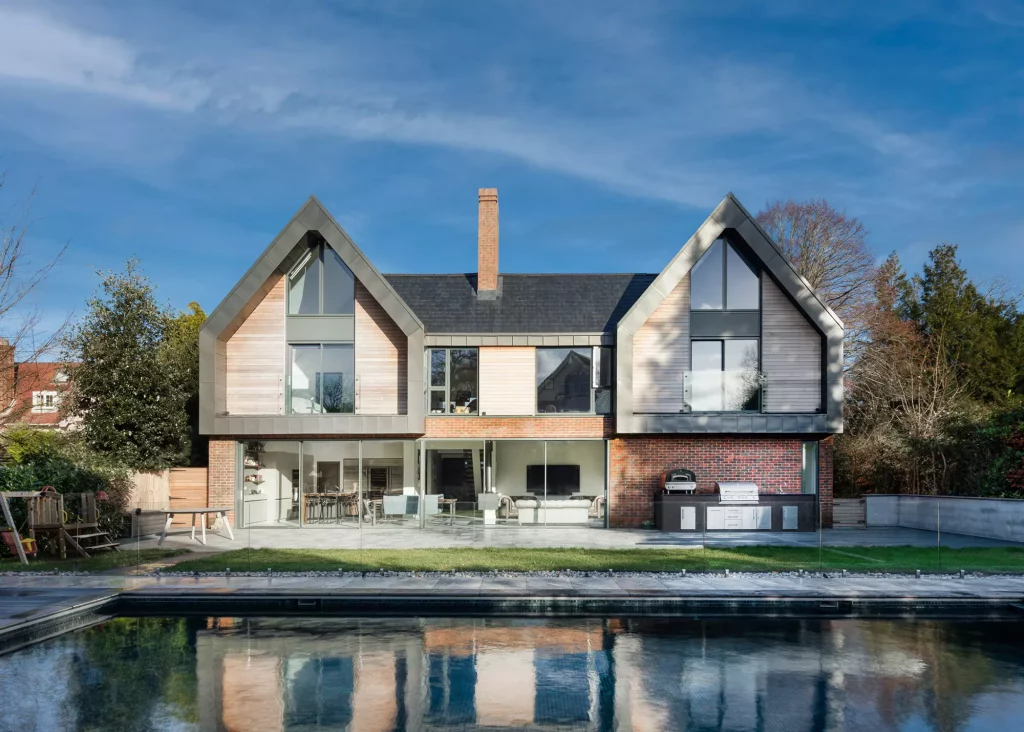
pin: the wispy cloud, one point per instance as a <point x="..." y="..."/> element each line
<point x="661" y="125"/>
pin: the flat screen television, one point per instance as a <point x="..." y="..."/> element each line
<point x="563" y="480"/>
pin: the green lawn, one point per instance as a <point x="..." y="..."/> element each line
<point x="96" y="563"/>
<point x="757" y="558"/>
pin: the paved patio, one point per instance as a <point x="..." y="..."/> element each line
<point x="391" y="537"/>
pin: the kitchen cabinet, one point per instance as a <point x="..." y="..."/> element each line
<point x="739" y="518"/>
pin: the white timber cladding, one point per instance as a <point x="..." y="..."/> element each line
<point x="661" y="353"/>
<point x="508" y="384"/>
<point x="256" y="357"/>
<point x="381" y="354"/>
<point x="790" y="354"/>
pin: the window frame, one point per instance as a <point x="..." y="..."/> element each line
<point x="590" y="381"/>
<point x="804" y="467"/>
<point x="318" y="397"/>
<point x="728" y="244"/>
<point x="722" y="340"/>
<point x="45" y="401"/>
<point x="446" y="389"/>
<point x="319" y="248"/>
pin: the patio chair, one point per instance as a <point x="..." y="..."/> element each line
<point x="507" y="506"/>
<point x="597" y="507"/>
<point x="372" y="511"/>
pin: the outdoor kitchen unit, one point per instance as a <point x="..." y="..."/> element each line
<point x="724" y="505"/>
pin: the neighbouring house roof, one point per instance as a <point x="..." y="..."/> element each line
<point x="528" y="303"/>
<point x="37" y="377"/>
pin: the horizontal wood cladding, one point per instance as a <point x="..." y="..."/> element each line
<point x="508" y="383"/>
<point x="790" y="354"/>
<point x="382" y="353"/>
<point x="552" y="428"/>
<point x="661" y="353"/>
<point x="255" y="357"/>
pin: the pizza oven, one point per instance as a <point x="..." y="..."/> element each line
<point x="679" y="480"/>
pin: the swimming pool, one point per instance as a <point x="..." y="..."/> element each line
<point x="261" y="673"/>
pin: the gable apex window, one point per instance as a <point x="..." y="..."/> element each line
<point x="321" y="284"/>
<point x="723" y="280"/>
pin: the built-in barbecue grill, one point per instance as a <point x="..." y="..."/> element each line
<point x="736" y="492"/>
<point x="680" y="480"/>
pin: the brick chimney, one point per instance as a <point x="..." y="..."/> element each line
<point x="8" y="392"/>
<point x="487" y="245"/>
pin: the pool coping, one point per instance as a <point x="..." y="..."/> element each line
<point x="61" y="619"/>
<point x="62" y="616"/>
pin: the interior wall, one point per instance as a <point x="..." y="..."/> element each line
<point x="512" y="457"/>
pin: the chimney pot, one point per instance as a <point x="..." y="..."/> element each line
<point x="487" y="244"/>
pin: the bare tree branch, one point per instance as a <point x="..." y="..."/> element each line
<point x="21" y="340"/>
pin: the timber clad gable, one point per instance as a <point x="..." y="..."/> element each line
<point x="381" y="355"/>
<point x="661" y="353"/>
<point x="256" y="357"/>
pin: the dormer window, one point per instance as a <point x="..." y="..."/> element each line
<point x="44" y="402"/>
<point x="321" y="284"/>
<point x="722" y="280"/>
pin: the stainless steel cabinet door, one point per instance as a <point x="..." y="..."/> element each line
<point x="715" y="519"/>
<point x="688" y="518"/>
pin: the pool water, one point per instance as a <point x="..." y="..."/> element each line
<point x="268" y="674"/>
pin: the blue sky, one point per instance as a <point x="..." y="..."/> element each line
<point x="188" y="133"/>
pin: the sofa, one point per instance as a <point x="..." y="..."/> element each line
<point x="553" y="510"/>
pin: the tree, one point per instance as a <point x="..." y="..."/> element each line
<point x="20" y="335"/>
<point x="125" y="388"/>
<point x="982" y="333"/>
<point x="903" y="394"/>
<point x="830" y="250"/>
<point x="180" y="351"/>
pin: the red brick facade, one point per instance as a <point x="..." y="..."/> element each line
<point x="637" y="462"/>
<point x="221" y="475"/>
<point x="496" y="428"/>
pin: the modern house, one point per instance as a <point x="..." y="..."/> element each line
<point x="335" y="395"/>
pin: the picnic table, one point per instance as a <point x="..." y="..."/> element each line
<point x="202" y="514"/>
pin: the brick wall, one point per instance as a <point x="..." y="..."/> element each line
<point x="637" y="462"/>
<point x="496" y="428"/>
<point x="221" y="475"/>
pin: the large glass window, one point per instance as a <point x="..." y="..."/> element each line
<point x="322" y="379"/>
<point x="563" y="380"/>
<point x="454" y="374"/>
<point x="321" y="284"/>
<point x="809" y="472"/>
<point x="725" y="376"/>
<point x="722" y="280"/>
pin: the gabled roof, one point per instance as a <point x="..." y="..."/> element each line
<point x="730" y="214"/>
<point x="311" y="217"/>
<point x="528" y="303"/>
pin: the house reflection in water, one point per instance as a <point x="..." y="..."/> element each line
<point x="591" y="674"/>
<point x="271" y="674"/>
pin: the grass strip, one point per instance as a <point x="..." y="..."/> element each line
<point x="755" y="558"/>
<point x="96" y="563"/>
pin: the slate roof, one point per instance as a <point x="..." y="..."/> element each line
<point x="529" y="303"/>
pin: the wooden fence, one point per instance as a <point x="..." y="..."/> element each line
<point x="849" y="513"/>
<point x="174" y="488"/>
